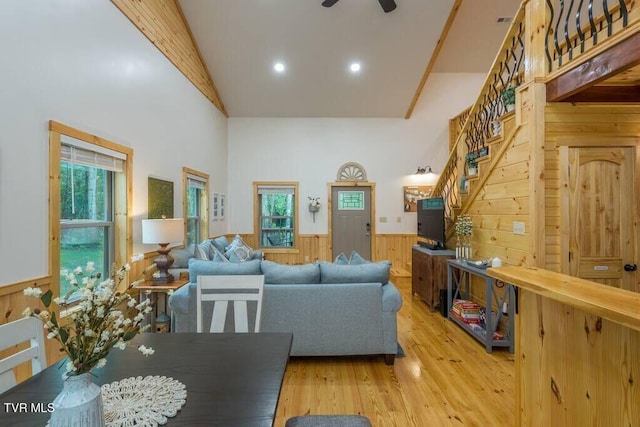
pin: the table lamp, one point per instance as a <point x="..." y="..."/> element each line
<point x="162" y="232"/>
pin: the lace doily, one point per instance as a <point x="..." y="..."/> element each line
<point x="138" y="401"/>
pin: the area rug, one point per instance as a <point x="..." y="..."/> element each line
<point x="400" y="352"/>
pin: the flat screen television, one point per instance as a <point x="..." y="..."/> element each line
<point x="431" y="223"/>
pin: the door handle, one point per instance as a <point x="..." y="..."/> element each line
<point x="368" y="229"/>
<point x="630" y="267"/>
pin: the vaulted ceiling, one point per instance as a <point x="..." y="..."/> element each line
<point x="241" y="40"/>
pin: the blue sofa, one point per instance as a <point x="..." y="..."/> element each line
<point x="331" y="309"/>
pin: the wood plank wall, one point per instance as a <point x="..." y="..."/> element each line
<point x="580" y="121"/>
<point x="163" y="23"/>
<point x="576" y="369"/>
<point x="13" y="302"/>
<point x="393" y="247"/>
<point x="502" y="200"/>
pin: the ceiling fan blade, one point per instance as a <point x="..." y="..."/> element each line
<point x="387" y="5"/>
<point x="329" y="3"/>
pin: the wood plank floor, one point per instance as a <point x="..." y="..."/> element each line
<point x="446" y="379"/>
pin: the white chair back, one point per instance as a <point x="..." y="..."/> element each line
<point x="17" y="332"/>
<point x="222" y="289"/>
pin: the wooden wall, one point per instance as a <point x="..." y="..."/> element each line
<point x="13" y="302"/>
<point x="580" y="121"/>
<point x="163" y="23"/>
<point x="503" y="199"/>
<point x="576" y="369"/>
<point x="393" y="247"/>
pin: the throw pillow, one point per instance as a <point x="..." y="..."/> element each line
<point x="356" y="259"/>
<point x="220" y="243"/>
<point x="283" y="274"/>
<point x="237" y="255"/>
<point x="199" y="267"/>
<point x="202" y="250"/>
<point x="373" y="272"/>
<point x="240" y="249"/>
<point x="181" y="256"/>
<point x="218" y="256"/>
<point x="341" y="259"/>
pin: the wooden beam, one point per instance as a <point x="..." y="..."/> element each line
<point x="607" y="94"/>
<point x="618" y="58"/>
<point x="163" y="23"/>
<point x="434" y="56"/>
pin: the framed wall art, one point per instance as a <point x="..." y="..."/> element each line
<point x="160" y="198"/>
<point x="414" y="193"/>
<point x="215" y="204"/>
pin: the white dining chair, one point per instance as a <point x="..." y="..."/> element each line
<point x="27" y="329"/>
<point x="224" y="289"/>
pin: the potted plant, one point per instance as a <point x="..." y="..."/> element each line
<point x="472" y="164"/>
<point x="509" y="97"/>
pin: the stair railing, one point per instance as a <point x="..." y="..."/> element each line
<point x="507" y="70"/>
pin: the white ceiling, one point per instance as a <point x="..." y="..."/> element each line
<point x="241" y="39"/>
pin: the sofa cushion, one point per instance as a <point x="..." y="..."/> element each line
<point x="220" y="243"/>
<point x="211" y="268"/>
<point x="374" y="272"/>
<point x="181" y="256"/>
<point x="283" y="274"/>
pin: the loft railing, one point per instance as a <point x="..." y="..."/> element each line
<point x="577" y="26"/>
<point x="507" y="70"/>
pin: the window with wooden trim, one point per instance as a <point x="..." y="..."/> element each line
<point x="196" y="205"/>
<point x="89" y="203"/>
<point x="276" y="215"/>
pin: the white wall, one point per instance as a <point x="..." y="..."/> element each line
<point x="82" y="63"/>
<point x="311" y="150"/>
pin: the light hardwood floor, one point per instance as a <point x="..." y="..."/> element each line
<point x="446" y="379"/>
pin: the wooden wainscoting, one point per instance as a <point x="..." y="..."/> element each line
<point x="13" y="302"/>
<point x="315" y="247"/>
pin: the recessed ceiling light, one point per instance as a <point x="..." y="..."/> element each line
<point x="354" y="67"/>
<point x="278" y="67"/>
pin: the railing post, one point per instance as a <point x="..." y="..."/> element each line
<point x="536" y="30"/>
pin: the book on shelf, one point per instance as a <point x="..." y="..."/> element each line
<point x="465" y="319"/>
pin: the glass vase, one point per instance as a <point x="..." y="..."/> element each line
<point x="78" y="404"/>
<point x="466" y="248"/>
<point x="459" y="247"/>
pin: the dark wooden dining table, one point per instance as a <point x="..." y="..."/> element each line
<point x="230" y="379"/>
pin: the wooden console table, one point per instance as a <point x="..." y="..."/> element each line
<point x="458" y="287"/>
<point x="429" y="273"/>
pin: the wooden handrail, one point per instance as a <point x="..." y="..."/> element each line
<point x="488" y="84"/>
<point x="615" y="304"/>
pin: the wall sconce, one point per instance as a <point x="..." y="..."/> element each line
<point x="424" y="170"/>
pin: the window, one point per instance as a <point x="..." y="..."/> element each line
<point x="276" y="215"/>
<point x="89" y="207"/>
<point x="196" y="206"/>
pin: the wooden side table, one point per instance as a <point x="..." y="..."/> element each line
<point x="148" y="290"/>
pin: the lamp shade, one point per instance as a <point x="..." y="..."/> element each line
<point x="162" y="230"/>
